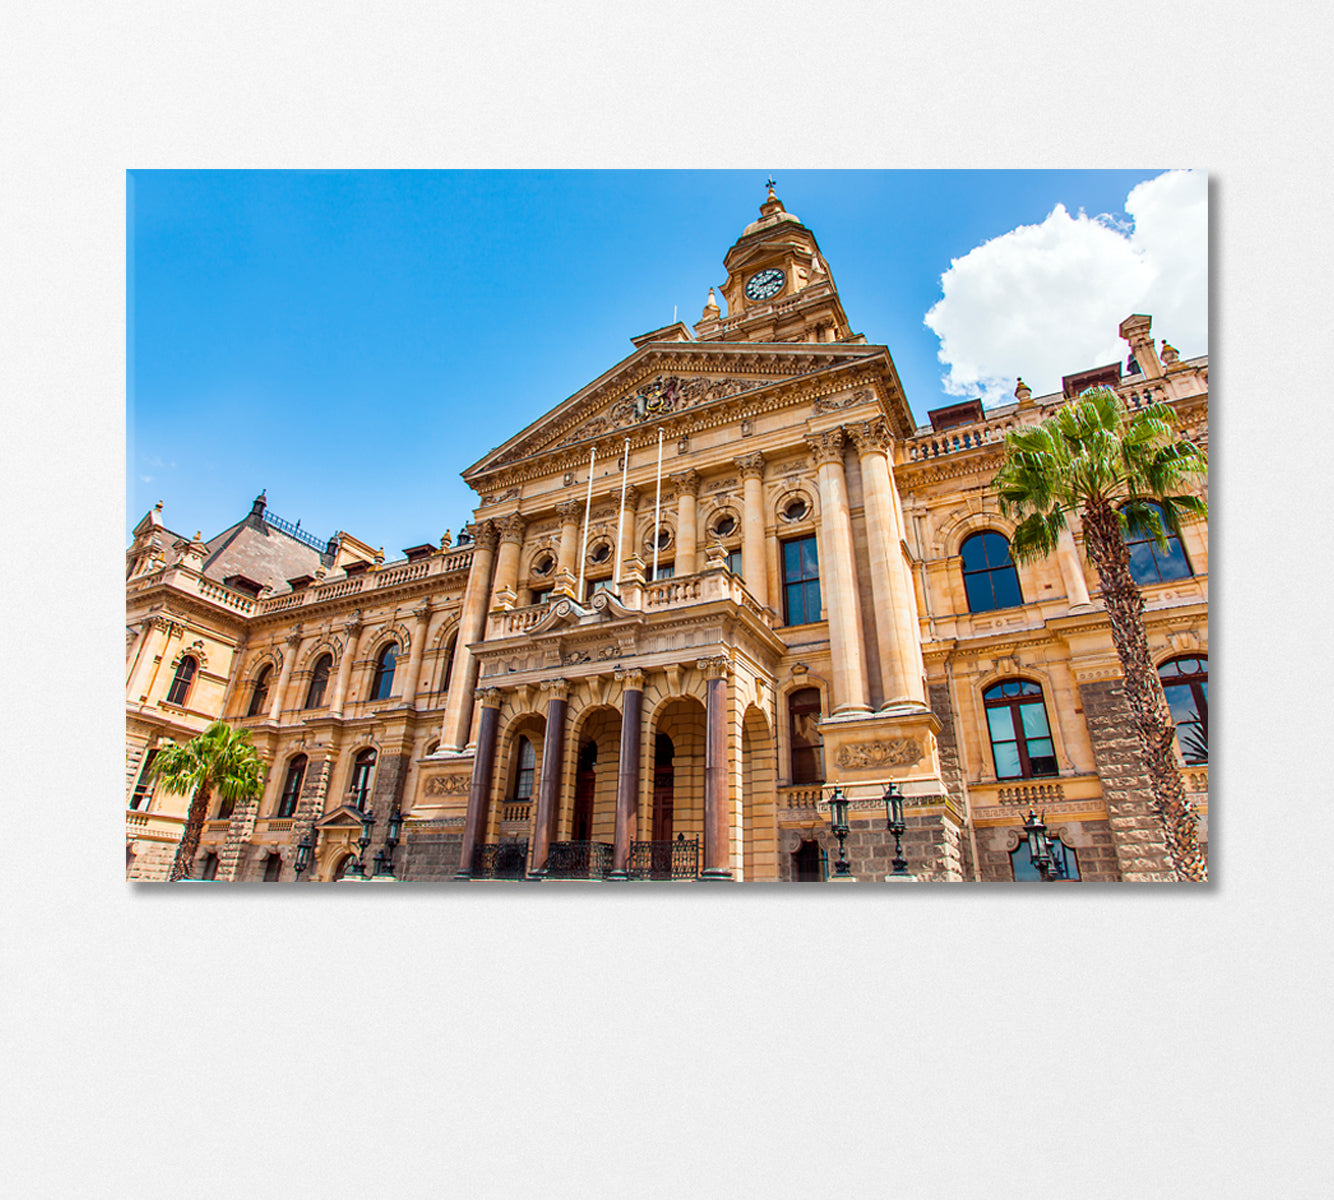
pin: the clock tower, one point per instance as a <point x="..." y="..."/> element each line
<point x="779" y="288"/>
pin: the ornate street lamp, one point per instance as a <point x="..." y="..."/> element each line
<point x="356" y="869"/>
<point x="896" y="825"/>
<point x="1045" y="858"/>
<point x="838" y="819"/>
<point x="392" y="833"/>
<point x="381" y="863"/>
<point x="303" y="850"/>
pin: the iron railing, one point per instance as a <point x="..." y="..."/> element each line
<point x="578" y="860"/>
<point x="500" y="860"/>
<point x="665" y="860"/>
<point x="297" y="532"/>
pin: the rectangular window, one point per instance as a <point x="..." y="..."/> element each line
<point x="666" y="570"/>
<point x="801" y="582"/>
<point x="141" y="788"/>
<point x="734" y="561"/>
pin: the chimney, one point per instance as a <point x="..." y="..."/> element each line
<point x="1135" y="330"/>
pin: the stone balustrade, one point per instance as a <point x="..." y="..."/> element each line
<point x="334" y="589"/>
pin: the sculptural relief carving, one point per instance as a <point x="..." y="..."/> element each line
<point x="448" y="785"/>
<point x="896" y="752"/>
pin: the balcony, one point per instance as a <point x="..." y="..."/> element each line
<point x="579" y="860"/>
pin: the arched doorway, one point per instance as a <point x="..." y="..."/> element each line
<point x="585" y="784"/>
<point x="664" y="787"/>
<point x="759" y="812"/>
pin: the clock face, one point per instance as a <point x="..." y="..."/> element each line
<point x="764" y="284"/>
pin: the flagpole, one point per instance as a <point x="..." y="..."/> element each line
<point x="657" y="505"/>
<point x="588" y="512"/>
<point x="620" y="524"/>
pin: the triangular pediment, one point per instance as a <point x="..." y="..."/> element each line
<point x="661" y="380"/>
<point x="342" y="817"/>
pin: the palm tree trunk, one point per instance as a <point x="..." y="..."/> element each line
<point x="1143" y="690"/>
<point x="189" y="843"/>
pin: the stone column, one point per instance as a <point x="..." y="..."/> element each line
<point x="353" y="628"/>
<point x="463" y="679"/>
<point x="901" y="667"/>
<point x="717" y="828"/>
<point x="414" y="668"/>
<point x="627" y="776"/>
<point x="628" y="530"/>
<point x="567" y="558"/>
<point x="687" y="493"/>
<point x="1072" y="570"/>
<point x="293" y="643"/>
<point x="507" y="562"/>
<point x="838" y="580"/>
<point x="754" y="569"/>
<point x="479" y="795"/>
<point x="548" y="787"/>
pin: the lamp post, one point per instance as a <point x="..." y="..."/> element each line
<point x="357" y="868"/>
<point x="896" y="825"/>
<point x="838" y="819"/>
<point x="393" y="831"/>
<point x="303" y="849"/>
<point x="1050" y="865"/>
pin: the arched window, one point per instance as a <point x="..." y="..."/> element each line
<point x="1186" y="686"/>
<point x="989" y="576"/>
<point x="273" y="867"/>
<point x="296" y="774"/>
<point x="319" y="681"/>
<point x="359" y="793"/>
<point x="524" y="769"/>
<point x="180" y="685"/>
<point x="1151" y="564"/>
<point x="803" y="712"/>
<point x="1021" y="861"/>
<point x="210" y="868"/>
<point x="260" y="693"/>
<point x="384" y="672"/>
<point x="449" y="662"/>
<point x="1020" y="736"/>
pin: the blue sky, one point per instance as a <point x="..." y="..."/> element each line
<point x="350" y="341"/>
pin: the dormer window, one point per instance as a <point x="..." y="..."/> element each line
<point x="240" y="583"/>
<point x="417" y="553"/>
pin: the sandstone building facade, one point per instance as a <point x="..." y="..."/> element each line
<point x="723" y="578"/>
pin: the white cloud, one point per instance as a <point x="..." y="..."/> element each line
<point x="1045" y="300"/>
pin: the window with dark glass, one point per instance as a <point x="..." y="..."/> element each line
<point x="140" y="795"/>
<point x="1021" y="861"/>
<point x="319" y="682"/>
<point x="359" y="794"/>
<point x="273" y="868"/>
<point x="260" y="694"/>
<point x="210" y="867"/>
<point x="180" y="684"/>
<point x="1151" y="563"/>
<point x="524" y="769"/>
<point x="801" y="582"/>
<point x="383" y="680"/>
<point x="1186" y="686"/>
<point x="734" y="561"/>
<point x="296" y="774"/>
<point x="1020" y="736"/>
<point x="666" y="571"/>
<point x="989" y="576"/>
<point x="803" y="710"/>
<point x="449" y="663"/>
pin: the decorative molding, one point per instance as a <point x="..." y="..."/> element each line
<point x="833" y="404"/>
<point x="895" y="752"/>
<point x="448" y="785"/>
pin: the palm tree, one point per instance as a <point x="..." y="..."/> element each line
<point x="221" y="760"/>
<point x="1112" y="467"/>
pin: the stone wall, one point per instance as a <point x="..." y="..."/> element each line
<point x="1136" y="832"/>
<point x="430" y="851"/>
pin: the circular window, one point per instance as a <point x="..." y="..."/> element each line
<point x="664" y="538"/>
<point x="544" y="565"/>
<point x="725" y="525"/>
<point x="795" y="510"/>
<point x="600" y="553"/>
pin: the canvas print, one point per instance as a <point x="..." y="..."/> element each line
<point x="658" y="528"/>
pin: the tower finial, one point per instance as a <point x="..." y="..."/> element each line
<point x="769" y="183"/>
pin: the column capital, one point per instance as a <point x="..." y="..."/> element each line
<point x="718" y="666"/>
<point x="687" y="483"/>
<point x="631" y="496"/>
<point x="569" y="510"/>
<point x="631" y="677"/>
<point x="489" y="697"/>
<point x="353" y="622"/>
<point x="512" y="529"/>
<point x="293" y="636"/>
<point x="423" y="611"/>
<point x="751" y="466"/>
<point x="870" y="437"/>
<point x="827" y="447"/>
<point x="486" y="535"/>
<point x="556" y="689"/>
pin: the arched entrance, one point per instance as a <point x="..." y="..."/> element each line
<point x="664" y="787"/>
<point x="759" y="810"/>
